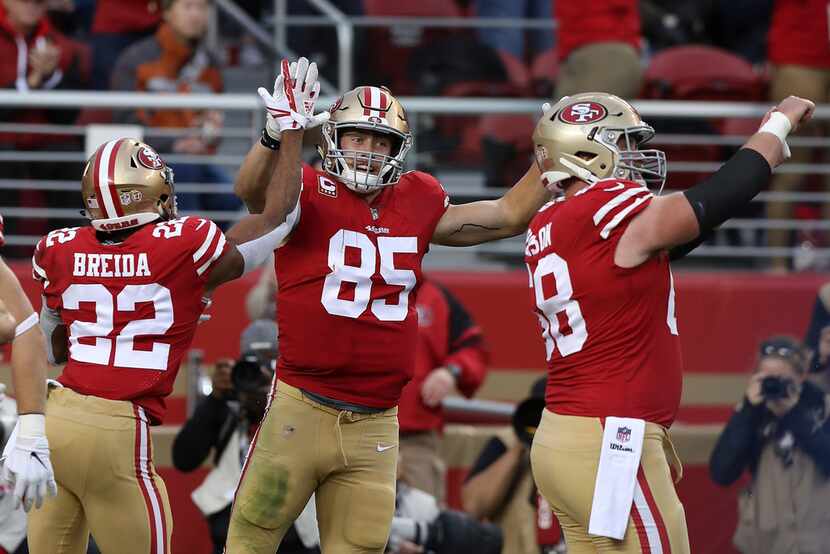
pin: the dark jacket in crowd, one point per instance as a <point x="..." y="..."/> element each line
<point x="784" y="509"/>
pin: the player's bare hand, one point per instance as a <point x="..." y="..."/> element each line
<point x="43" y="61"/>
<point x="753" y="391"/>
<point x="190" y="145"/>
<point x="222" y="384"/>
<point x="438" y="384"/>
<point x="798" y="110"/>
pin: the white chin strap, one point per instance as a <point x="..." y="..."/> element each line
<point x="124" y="222"/>
<point x="553" y="179"/>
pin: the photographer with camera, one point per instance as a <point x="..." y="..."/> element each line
<point x="420" y="526"/>
<point x="500" y="487"/>
<point x="780" y="432"/>
<point x="225" y="422"/>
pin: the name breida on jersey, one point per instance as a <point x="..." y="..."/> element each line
<point x="111" y="265"/>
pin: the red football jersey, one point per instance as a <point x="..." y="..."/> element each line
<point x="591" y="22"/>
<point x="799" y="33"/>
<point x="130" y="308"/>
<point x="348" y="276"/>
<point x="610" y="332"/>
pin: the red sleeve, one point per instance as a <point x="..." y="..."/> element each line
<point x="41" y="273"/>
<point x="466" y="348"/>
<point x="613" y="205"/>
<point x="208" y="244"/>
<point x="436" y="200"/>
<point x="473" y="363"/>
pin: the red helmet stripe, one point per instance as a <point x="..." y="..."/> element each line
<point x="119" y="209"/>
<point x="383" y="102"/>
<point x="102" y="192"/>
<point x="367" y="100"/>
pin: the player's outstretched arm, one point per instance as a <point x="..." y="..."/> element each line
<point x="255" y="172"/>
<point x="261" y="160"/>
<point x="679" y="218"/>
<point x="7" y="324"/>
<point x="29" y="346"/>
<point x="255" y="236"/>
<point x="25" y="459"/>
<point x="486" y="220"/>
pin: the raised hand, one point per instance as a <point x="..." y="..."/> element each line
<point x="291" y="105"/>
<point x="798" y="110"/>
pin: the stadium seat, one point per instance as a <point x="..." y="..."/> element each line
<point x="507" y="147"/>
<point x="699" y="72"/>
<point x="391" y="47"/>
<point x="702" y="73"/>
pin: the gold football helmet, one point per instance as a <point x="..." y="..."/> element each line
<point x="126" y="184"/>
<point x="594" y="136"/>
<point x="371" y="109"/>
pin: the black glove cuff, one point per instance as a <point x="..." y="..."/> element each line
<point x="268" y="141"/>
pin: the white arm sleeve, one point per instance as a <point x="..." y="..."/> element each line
<point x="49" y="321"/>
<point x="255" y="252"/>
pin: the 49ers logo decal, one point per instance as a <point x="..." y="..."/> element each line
<point x="149" y="159"/>
<point x="583" y="112"/>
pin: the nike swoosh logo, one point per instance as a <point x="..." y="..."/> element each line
<point x="619" y="186"/>
<point x="36" y="457"/>
<point x="382" y="448"/>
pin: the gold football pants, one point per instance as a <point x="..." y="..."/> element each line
<point x="103" y="459"/>
<point x="565" y="458"/>
<point x="302" y="447"/>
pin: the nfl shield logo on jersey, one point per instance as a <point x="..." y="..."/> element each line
<point x="623" y="434"/>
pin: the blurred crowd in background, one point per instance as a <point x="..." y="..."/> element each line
<point x="739" y="50"/>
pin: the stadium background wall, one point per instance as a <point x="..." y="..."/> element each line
<point x="722" y="317"/>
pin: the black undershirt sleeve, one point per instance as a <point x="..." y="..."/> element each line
<point x="733" y="186"/>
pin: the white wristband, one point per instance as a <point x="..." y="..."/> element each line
<point x="32" y="425"/>
<point x="779" y="125"/>
<point x="25" y="325"/>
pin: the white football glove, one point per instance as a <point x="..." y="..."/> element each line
<point x="406" y="529"/>
<point x="25" y="462"/>
<point x="291" y="105"/>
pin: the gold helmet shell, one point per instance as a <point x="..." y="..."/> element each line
<point x="371" y="109"/>
<point x="126" y="184"/>
<point x="594" y="136"/>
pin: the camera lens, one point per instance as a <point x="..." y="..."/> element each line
<point x="774" y="387"/>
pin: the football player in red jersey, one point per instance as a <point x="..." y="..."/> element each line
<point x="25" y="461"/>
<point x="348" y="275"/>
<point x="122" y="298"/>
<point x="598" y="259"/>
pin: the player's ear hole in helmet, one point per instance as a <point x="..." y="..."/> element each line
<point x="126" y="184"/>
<point x="594" y="136"/>
<point x="374" y="110"/>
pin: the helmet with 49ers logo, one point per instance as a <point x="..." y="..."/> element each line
<point x="594" y="136"/>
<point x="370" y="109"/>
<point x="126" y="184"/>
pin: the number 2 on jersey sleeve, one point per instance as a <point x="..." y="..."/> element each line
<point x="361" y="275"/>
<point x="126" y="300"/>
